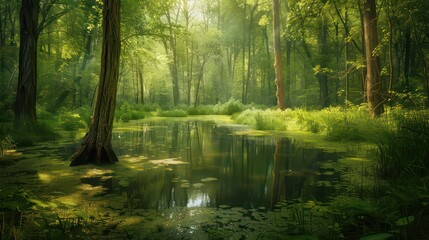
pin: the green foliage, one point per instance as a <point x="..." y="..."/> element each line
<point x="72" y="122"/>
<point x="355" y="124"/>
<point x="409" y="99"/>
<point x="265" y="119"/>
<point x="172" y="113"/>
<point x="200" y="110"/>
<point x="28" y="135"/>
<point x="126" y="112"/>
<point x="230" y="107"/>
<point x="405" y="152"/>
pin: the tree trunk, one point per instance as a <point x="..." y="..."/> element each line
<point x="407" y="49"/>
<point x="277" y="56"/>
<point x="322" y="78"/>
<point x="25" y="105"/>
<point x="373" y="82"/>
<point x="141" y="82"/>
<point x="96" y="146"/>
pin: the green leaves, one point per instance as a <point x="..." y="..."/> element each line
<point x="404" y="221"/>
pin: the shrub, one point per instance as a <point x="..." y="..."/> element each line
<point x="229" y="108"/>
<point x="72" y="122"/>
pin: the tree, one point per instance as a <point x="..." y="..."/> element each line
<point x="30" y="29"/>
<point x="25" y="105"/>
<point x="277" y="55"/>
<point x="373" y="82"/>
<point x="96" y="146"/>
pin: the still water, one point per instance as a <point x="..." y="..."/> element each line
<point x="189" y="178"/>
<point x="195" y="163"/>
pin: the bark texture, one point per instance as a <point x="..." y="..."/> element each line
<point x="96" y="146"/>
<point x="373" y="82"/>
<point x="25" y="105"/>
<point x="277" y="56"/>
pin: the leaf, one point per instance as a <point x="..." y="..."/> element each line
<point x="404" y="221"/>
<point x="41" y="203"/>
<point x="378" y="236"/>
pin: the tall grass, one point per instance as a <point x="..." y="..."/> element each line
<point x="355" y="124"/>
<point x="405" y="153"/>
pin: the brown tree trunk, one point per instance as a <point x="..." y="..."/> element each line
<point x="277" y="56"/>
<point x="96" y="146"/>
<point x="25" y="105"/>
<point x="373" y="82"/>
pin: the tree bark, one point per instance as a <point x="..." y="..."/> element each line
<point x="373" y="82"/>
<point x="277" y="56"/>
<point x="25" y="105"/>
<point x="96" y="146"/>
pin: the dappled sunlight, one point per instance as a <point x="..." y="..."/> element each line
<point x="94" y="172"/>
<point x="45" y="178"/>
<point x="168" y="161"/>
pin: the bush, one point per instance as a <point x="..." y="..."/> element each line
<point x="71" y="122"/>
<point x="229" y="108"/>
<point x="126" y="112"/>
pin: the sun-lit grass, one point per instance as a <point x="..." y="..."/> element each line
<point x="337" y="124"/>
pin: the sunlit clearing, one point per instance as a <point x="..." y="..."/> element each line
<point x="168" y="161"/>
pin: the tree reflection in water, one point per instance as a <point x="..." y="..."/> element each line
<point x="219" y="165"/>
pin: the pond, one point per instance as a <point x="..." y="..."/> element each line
<point x="190" y="178"/>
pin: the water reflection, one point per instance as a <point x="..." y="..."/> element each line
<point x="218" y="167"/>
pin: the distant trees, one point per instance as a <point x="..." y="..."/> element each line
<point x="207" y="51"/>
<point x="96" y="146"/>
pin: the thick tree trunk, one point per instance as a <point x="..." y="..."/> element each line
<point x="277" y="56"/>
<point x="373" y="82"/>
<point x="96" y="146"/>
<point x="25" y="105"/>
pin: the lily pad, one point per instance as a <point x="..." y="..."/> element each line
<point x="209" y="179"/>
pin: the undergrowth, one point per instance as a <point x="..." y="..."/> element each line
<point x="337" y="124"/>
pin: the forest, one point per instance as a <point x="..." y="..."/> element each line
<point x="214" y="119"/>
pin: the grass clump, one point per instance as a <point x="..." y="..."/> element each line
<point x="265" y="119"/>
